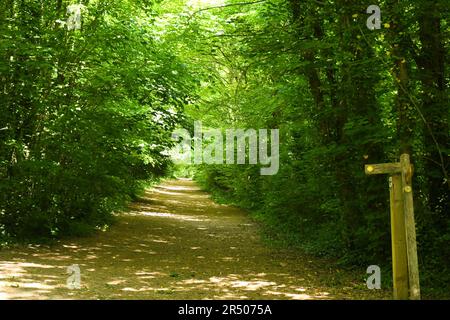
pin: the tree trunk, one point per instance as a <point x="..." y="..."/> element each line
<point x="431" y="62"/>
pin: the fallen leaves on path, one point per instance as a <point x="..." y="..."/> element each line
<point x="175" y="243"/>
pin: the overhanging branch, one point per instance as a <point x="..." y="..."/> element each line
<point x="228" y="5"/>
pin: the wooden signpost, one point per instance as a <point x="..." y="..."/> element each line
<point x="405" y="267"/>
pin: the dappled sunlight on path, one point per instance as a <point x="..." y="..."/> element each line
<point x="174" y="243"/>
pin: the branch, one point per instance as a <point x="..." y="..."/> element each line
<point x="228" y="5"/>
<point x="422" y="117"/>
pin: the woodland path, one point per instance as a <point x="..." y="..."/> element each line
<point x="176" y="243"/>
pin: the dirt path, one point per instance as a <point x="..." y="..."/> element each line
<point x="175" y="243"/>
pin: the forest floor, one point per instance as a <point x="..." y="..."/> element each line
<point x="176" y="243"/>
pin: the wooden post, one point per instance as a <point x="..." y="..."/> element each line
<point x="405" y="267"/>
<point x="411" y="246"/>
<point x="398" y="239"/>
